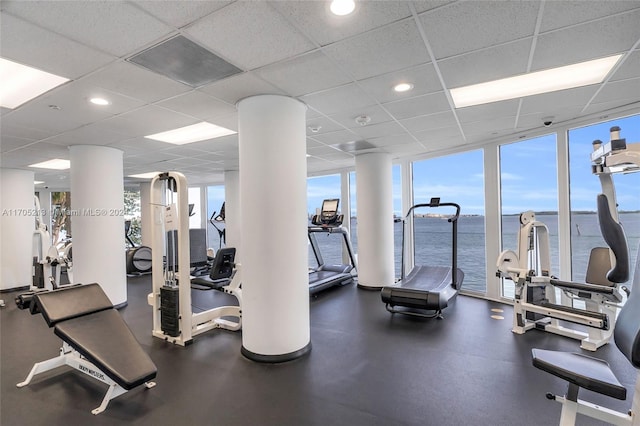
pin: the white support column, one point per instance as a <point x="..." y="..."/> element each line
<point x="232" y="211"/>
<point x="564" y="208"/>
<point x="374" y="183"/>
<point x="273" y="196"/>
<point x="146" y="213"/>
<point x="492" y="219"/>
<point x="97" y="204"/>
<point x="16" y="228"/>
<point x="406" y="171"/>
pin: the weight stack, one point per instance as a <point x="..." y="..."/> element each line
<point x="170" y="311"/>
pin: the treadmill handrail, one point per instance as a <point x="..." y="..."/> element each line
<point x="451" y="219"/>
<point x="435" y="202"/>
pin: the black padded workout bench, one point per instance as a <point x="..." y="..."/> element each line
<point x="95" y="339"/>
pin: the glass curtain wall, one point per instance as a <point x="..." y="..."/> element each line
<point x="458" y="179"/>
<point x="528" y="181"/>
<point x="585" y="186"/>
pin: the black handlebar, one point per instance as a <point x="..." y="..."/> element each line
<point x="435" y="202"/>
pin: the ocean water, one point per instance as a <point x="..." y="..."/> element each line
<point x="433" y="244"/>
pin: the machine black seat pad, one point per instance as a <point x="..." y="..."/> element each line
<point x="585" y="371"/>
<point x="107" y="342"/>
<point x="208" y="282"/>
<point x="71" y="302"/>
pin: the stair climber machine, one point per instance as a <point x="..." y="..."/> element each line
<point x="535" y="304"/>
<point x="330" y="222"/>
<point x="173" y="317"/>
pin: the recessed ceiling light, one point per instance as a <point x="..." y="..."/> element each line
<point x="38" y="182"/>
<point x="403" y="87"/>
<point x="21" y="83"/>
<point x="535" y="83"/>
<point x="148" y="175"/>
<point x="99" y="101"/>
<point x="194" y="133"/>
<point x="342" y="7"/>
<point x="55" y="164"/>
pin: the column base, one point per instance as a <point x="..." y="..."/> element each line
<point x="370" y="287"/>
<point x="275" y="359"/>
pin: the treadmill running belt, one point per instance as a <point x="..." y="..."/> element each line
<point x="426" y="287"/>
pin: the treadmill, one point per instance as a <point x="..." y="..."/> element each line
<point x="325" y="275"/>
<point x="426" y="288"/>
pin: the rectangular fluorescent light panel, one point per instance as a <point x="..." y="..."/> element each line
<point x="149" y="175"/>
<point x="194" y="133"/>
<point x="21" y="83"/>
<point x="535" y="83"/>
<point x="55" y="164"/>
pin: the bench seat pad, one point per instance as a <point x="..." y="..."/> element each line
<point x="106" y="341"/>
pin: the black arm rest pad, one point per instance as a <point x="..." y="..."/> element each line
<point x="71" y="302"/>
<point x="592" y="288"/>
<point x="587" y="372"/>
<point x="106" y="341"/>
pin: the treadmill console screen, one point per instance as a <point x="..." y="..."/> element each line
<point x="329" y="212"/>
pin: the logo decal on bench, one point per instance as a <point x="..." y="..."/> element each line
<point x="97" y="374"/>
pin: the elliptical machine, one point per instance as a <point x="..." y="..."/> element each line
<point x="138" y="257"/>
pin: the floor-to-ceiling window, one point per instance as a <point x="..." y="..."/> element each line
<point x="322" y="188"/>
<point x="528" y="181"/>
<point x="458" y="179"/>
<point x="584" y="187"/>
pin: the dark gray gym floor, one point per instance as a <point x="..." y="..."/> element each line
<point x="367" y="367"/>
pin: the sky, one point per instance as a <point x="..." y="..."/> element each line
<point x="528" y="176"/>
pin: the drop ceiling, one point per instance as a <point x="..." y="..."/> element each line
<point x="341" y="67"/>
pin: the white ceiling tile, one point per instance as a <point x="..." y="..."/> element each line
<point x="494" y="109"/>
<point x="630" y="68"/>
<point x="423" y="77"/>
<point x="323" y="125"/>
<point x="293" y="76"/>
<point x="340" y="136"/>
<point x="487" y="126"/>
<point x="466" y="26"/>
<point x="317" y="21"/>
<point x="136" y="82"/>
<point x="556" y="101"/>
<point x="38" y="115"/>
<point x="379" y="130"/>
<point x="46" y="50"/>
<point x="227" y="145"/>
<point x="624" y="91"/>
<point x="139" y="146"/>
<point x="339" y="99"/>
<point x="199" y="105"/>
<point x="10" y="143"/>
<point x="397" y="139"/>
<point x="588" y="41"/>
<point x="489" y="64"/>
<point x="27" y="132"/>
<point x="240" y="86"/>
<point x="432" y="121"/>
<point x="441" y="134"/>
<point x="149" y="120"/>
<point x="249" y="35"/>
<point x="558" y="14"/>
<point x="425" y="5"/>
<point x="404" y="150"/>
<point x="92" y="134"/>
<point x="420" y="105"/>
<point x="535" y="120"/>
<point x="377" y="52"/>
<point x="112" y="26"/>
<point x="181" y="13"/>
<point x="376" y="113"/>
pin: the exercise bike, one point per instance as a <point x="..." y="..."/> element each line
<point x="138" y="257"/>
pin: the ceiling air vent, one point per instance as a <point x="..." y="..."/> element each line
<point x="355" y="146"/>
<point x="182" y="60"/>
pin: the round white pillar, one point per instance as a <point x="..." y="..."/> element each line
<point x="16" y="228"/>
<point x="375" y="220"/>
<point x="146" y="214"/>
<point x="97" y="206"/>
<point x="232" y="211"/>
<point x="273" y="196"/>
